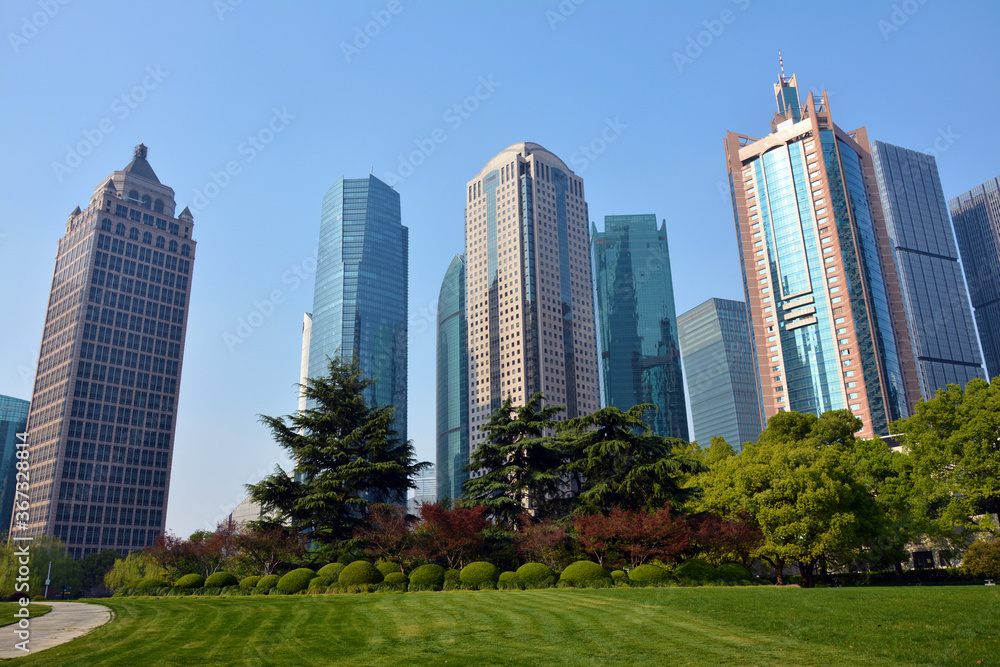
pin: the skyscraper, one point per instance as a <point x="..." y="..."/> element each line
<point x="360" y="301"/>
<point x="819" y="278"/>
<point x="452" y="383"/>
<point x="721" y="372"/>
<point x="529" y="300"/>
<point x="977" y="226"/>
<point x="104" y="406"/>
<point x="923" y="248"/>
<point x="13" y="420"/>
<point x="640" y="357"/>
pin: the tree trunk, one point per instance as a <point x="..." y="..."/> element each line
<point x="823" y="573"/>
<point x="899" y="570"/>
<point x="779" y="569"/>
<point x="806" y="570"/>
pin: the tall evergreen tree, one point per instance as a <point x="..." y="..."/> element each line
<point x="347" y="456"/>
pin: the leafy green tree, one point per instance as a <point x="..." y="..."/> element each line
<point x="953" y="441"/>
<point x="982" y="559"/>
<point x="42" y="550"/>
<point x="615" y="461"/>
<point x="347" y="456"/>
<point x="126" y="571"/>
<point x="93" y="567"/>
<point x="797" y="483"/>
<point x="518" y="466"/>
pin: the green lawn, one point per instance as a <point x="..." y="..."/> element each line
<point x="7" y="610"/>
<point x="684" y="626"/>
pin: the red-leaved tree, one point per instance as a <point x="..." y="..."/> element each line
<point x="262" y="548"/>
<point x="721" y="540"/>
<point x="203" y="553"/>
<point x="544" y="542"/>
<point x="387" y="534"/>
<point x="633" y="537"/>
<point x="452" y="534"/>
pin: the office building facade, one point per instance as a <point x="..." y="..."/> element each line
<point x="13" y="421"/>
<point x="829" y="328"/>
<point x="935" y="299"/>
<point x="721" y="372"/>
<point x="452" y="384"/>
<point x="360" y="303"/>
<point x="640" y="357"/>
<point x="104" y="405"/>
<point x="530" y="313"/>
<point x="976" y="215"/>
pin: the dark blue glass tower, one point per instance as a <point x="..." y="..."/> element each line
<point x="640" y="356"/>
<point x="360" y="302"/>
<point x="13" y="420"/>
<point x="721" y="373"/>
<point x="934" y="295"/>
<point x="452" y="383"/>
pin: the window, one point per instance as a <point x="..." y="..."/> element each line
<point x="160" y="241"/>
<point x="120" y="229"/>
<point x="106" y="224"/>
<point x="147" y="237"/>
<point x="173" y="246"/>
<point x="158" y="206"/>
<point x="133" y="195"/>
<point x="186" y="250"/>
<point x="147" y="202"/>
<point x="133" y="234"/>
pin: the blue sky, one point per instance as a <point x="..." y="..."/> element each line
<point x="291" y="96"/>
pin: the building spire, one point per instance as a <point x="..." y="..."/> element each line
<point x="781" y="63"/>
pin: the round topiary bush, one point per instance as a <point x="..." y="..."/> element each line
<point x="321" y="582"/>
<point x="150" y="582"/>
<point x="296" y="580"/>
<point x="332" y="570"/>
<point x="221" y="579"/>
<point x="427" y="577"/>
<point x="619" y="577"/>
<point x="190" y="581"/>
<point x="536" y="575"/>
<point x="649" y="575"/>
<point x="480" y="573"/>
<point x="509" y="582"/>
<point x="249" y="582"/>
<point x="396" y="578"/>
<point x="584" y="572"/>
<point x="453" y="575"/>
<point x="267" y="583"/>
<point x="696" y="570"/>
<point x="388" y="568"/>
<point x="360" y="572"/>
<point x="736" y="571"/>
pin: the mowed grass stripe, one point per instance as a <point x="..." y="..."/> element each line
<point x="550" y="627"/>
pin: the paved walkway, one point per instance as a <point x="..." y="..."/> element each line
<point x="66" y="621"/>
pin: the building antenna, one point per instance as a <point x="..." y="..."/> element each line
<point x="782" y="64"/>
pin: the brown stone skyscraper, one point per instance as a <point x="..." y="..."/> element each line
<point x="104" y="406"/>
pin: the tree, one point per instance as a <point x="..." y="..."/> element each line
<point x="204" y="553"/>
<point x="797" y="484"/>
<point x="519" y="469"/>
<point x="388" y="534"/>
<point x="93" y="567"/>
<point x="721" y="540"/>
<point x="953" y="441"/>
<point x="451" y="534"/>
<point x="42" y="550"/>
<point x="347" y="456"/>
<point x="632" y="536"/>
<point x="261" y="548"/>
<point x="982" y="559"/>
<point x="126" y="571"/>
<point x="617" y="462"/>
<point x="543" y="542"/>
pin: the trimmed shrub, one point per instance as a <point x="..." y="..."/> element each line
<point x="696" y="570"/>
<point x="221" y="579"/>
<point x="150" y="582"/>
<point x="477" y="575"/>
<point x="249" y="582"/>
<point x="509" y="582"/>
<point x="359" y="573"/>
<point x="536" y="575"/>
<point x="649" y="575"/>
<point x="453" y="575"/>
<point x="267" y="583"/>
<point x="387" y="568"/>
<point x="190" y="581"/>
<point x="396" y="578"/>
<point x="736" y="571"/>
<point x="321" y="582"/>
<point x="584" y="572"/>
<point x="296" y="580"/>
<point x="332" y="570"/>
<point x="428" y="577"/>
<point x="619" y="577"/>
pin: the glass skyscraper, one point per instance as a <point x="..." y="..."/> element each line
<point x="640" y="356"/>
<point x="976" y="214"/>
<point x="530" y="304"/>
<point x="452" y="383"/>
<point x="934" y="295"/>
<point x="13" y="420"/>
<point x="361" y="296"/>
<point x="721" y="372"/>
<point x="104" y="405"/>
<point x="829" y="328"/>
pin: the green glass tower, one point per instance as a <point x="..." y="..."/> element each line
<point x="640" y="355"/>
<point x="452" y="383"/>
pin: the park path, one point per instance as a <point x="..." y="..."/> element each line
<point x="66" y="621"/>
